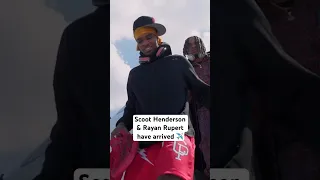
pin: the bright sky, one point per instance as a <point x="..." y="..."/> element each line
<point x="182" y="18"/>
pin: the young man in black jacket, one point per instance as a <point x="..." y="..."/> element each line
<point x="81" y="86"/>
<point x="160" y="86"/>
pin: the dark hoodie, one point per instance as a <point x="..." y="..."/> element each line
<point x="248" y="57"/>
<point x="161" y="87"/>
<point x="78" y="139"/>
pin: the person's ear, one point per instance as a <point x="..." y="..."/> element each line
<point x="159" y="41"/>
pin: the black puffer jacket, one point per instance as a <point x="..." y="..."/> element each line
<point x="161" y="87"/>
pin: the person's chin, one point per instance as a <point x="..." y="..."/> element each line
<point x="149" y="53"/>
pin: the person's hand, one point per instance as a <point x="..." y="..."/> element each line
<point x="120" y="127"/>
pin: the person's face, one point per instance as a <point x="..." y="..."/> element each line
<point x="193" y="46"/>
<point x="147" y="43"/>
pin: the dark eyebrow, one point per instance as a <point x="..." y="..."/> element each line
<point x="150" y="34"/>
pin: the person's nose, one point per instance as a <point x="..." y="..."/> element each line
<point x="144" y="43"/>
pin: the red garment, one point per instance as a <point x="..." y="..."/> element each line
<point x="202" y="68"/>
<point x="122" y="153"/>
<point x="176" y="158"/>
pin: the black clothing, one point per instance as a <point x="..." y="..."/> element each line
<point x="101" y="3"/>
<point x="161" y="87"/>
<point x="199" y="162"/>
<point x="248" y="56"/>
<point x="81" y="87"/>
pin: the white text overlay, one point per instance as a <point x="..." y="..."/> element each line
<point x="159" y="127"/>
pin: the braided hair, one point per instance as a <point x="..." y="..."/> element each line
<point x="201" y="47"/>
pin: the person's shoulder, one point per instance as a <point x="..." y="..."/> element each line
<point x="177" y="57"/>
<point x="134" y="70"/>
<point x="134" y="74"/>
<point x="96" y="19"/>
<point x="78" y="24"/>
<point x="179" y="61"/>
